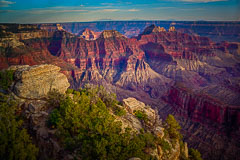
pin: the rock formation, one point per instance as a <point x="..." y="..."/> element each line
<point x="36" y="81"/>
<point x="153" y="29"/>
<point x="89" y="34"/>
<point x="172" y="29"/>
<point x="133" y="105"/>
<point x="59" y="27"/>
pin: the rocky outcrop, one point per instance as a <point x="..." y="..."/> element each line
<point x="89" y="34"/>
<point x="36" y="81"/>
<point x="133" y="105"/>
<point x="59" y="27"/>
<point x="153" y="29"/>
<point x="172" y="29"/>
<point x="10" y="41"/>
<point x="152" y="125"/>
<point x="36" y="113"/>
<point x="110" y="34"/>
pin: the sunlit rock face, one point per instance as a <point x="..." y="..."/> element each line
<point x="177" y="73"/>
<point x="89" y="34"/>
<point x="36" y="81"/>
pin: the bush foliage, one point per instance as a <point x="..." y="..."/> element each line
<point x="6" y="79"/>
<point x="173" y="127"/>
<point x="194" y="154"/>
<point x="141" y="115"/>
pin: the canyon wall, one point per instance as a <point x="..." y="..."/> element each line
<point x="208" y="124"/>
<point x="217" y="31"/>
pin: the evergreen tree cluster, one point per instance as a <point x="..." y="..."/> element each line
<point x="85" y="125"/>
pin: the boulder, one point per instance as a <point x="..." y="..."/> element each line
<point x="34" y="82"/>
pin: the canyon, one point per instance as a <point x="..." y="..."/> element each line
<point x="173" y="69"/>
<point x="216" y="30"/>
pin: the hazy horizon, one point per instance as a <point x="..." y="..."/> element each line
<point x="44" y="11"/>
<point x="211" y="21"/>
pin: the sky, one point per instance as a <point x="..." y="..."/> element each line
<point x="53" y="11"/>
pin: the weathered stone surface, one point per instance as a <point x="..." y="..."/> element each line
<point x="89" y="34"/>
<point x="159" y="132"/>
<point x="110" y="34"/>
<point x="16" y="67"/>
<point x="185" y="150"/>
<point x="172" y="29"/>
<point x="36" y="81"/>
<point x="130" y="121"/>
<point x="132" y="105"/>
<point x="10" y="41"/>
<point x="36" y="106"/>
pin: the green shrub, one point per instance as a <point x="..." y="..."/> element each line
<point x="54" y="98"/>
<point x="15" y="142"/>
<point x="141" y="115"/>
<point x="173" y="127"/>
<point x="54" y="118"/>
<point x="118" y="111"/>
<point x="69" y="91"/>
<point x="108" y="98"/>
<point x="6" y="79"/>
<point x="165" y="145"/>
<point x="194" y="154"/>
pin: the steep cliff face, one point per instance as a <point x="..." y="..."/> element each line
<point x="203" y="108"/>
<point x="203" y="117"/>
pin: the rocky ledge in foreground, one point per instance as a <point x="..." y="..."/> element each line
<point x="34" y="82"/>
